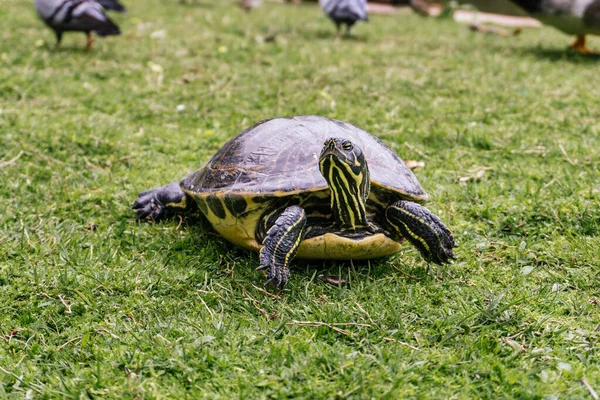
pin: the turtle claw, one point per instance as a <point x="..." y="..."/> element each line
<point x="424" y="230"/>
<point x="440" y="244"/>
<point x="277" y="277"/>
<point x="147" y="206"/>
<point x="268" y="282"/>
<point x="443" y="255"/>
<point x="159" y="203"/>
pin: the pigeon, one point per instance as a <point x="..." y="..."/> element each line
<point x="345" y="12"/>
<point x="574" y="17"/>
<point x="248" y="5"/>
<point x="77" y="15"/>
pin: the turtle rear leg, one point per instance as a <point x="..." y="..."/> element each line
<point x="423" y="229"/>
<point x="281" y="244"/>
<point x="162" y="202"/>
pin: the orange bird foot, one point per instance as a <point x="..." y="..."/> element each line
<point x="90" y="41"/>
<point x="579" y="45"/>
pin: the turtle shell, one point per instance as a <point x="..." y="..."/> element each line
<point x="281" y="157"/>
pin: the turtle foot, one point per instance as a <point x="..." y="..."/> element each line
<point x="160" y="203"/>
<point x="281" y="244"/>
<point x="423" y="229"/>
<point x="277" y="277"/>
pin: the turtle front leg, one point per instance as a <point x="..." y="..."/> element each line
<point x="162" y="202"/>
<point x="423" y="229"/>
<point x="281" y="244"/>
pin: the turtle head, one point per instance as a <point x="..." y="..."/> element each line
<point x="344" y="167"/>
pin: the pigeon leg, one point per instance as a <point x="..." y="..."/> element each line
<point x="579" y="45"/>
<point x="90" y="41"/>
<point x="58" y="39"/>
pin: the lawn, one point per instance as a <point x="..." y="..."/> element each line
<point x="94" y="304"/>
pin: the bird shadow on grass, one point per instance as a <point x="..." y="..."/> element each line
<point x="562" y="54"/>
<point x="330" y="35"/>
<point x="327" y="35"/>
<point x="73" y="49"/>
<point x="196" y="4"/>
<point x="355" y="38"/>
<point x="69" y="49"/>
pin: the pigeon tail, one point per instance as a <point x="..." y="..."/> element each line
<point x="113" y="5"/>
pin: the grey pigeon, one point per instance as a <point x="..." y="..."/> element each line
<point x="345" y="12"/>
<point x="76" y="15"/>
<point x="574" y="17"/>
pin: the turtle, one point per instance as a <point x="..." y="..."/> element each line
<point x="306" y="187"/>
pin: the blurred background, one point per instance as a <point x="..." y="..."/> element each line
<point x="492" y="6"/>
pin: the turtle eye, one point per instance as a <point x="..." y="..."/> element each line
<point x="347" y="145"/>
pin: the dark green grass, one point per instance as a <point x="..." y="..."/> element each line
<point x="94" y="304"/>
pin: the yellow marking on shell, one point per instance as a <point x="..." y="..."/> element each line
<point x="333" y="247"/>
<point x="181" y="204"/>
<point x="330" y="246"/>
<point x="239" y="231"/>
<point x="417" y="237"/>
